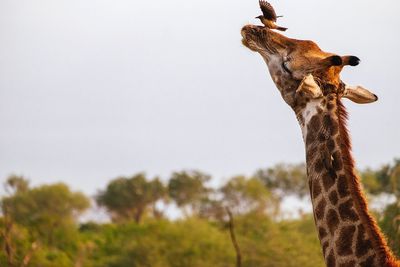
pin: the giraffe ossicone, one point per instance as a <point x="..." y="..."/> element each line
<point x="309" y="82"/>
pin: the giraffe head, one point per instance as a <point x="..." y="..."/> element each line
<point x="291" y="62"/>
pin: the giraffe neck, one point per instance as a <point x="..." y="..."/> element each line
<point x="348" y="234"/>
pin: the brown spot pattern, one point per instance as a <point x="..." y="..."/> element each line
<point x="315" y="124"/>
<point x="342" y="186"/>
<point x="328" y="180"/>
<point x="320" y="209"/>
<point x="316" y="189"/>
<point x="345" y="240"/>
<point x="331" y="144"/>
<point x="311" y="152"/>
<point x="347" y="212"/>
<point x="311" y="135"/>
<point x="326" y="157"/>
<point x="327" y="121"/>
<point x="337" y="161"/>
<point x="319" y="166"/>
<point x="332" y="220"/>
<point x="325" y="246"/>
<point x="369" y="262"/>
<point x="330" y="261"/>
<point x="322" y="232"/>
<point x="330" y="106"/>
<point x="350" y="263"/>
<point x="330" y="124"/>
<point x="322" y="137"/>
<point x="362" y="245"/>
<point x="333" y="197"/>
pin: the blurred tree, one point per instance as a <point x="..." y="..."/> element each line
<point x="288" y="243"/>
<point x="16" y="184"/>
<point x="371" y="182"/>
<point x="285" y="179"/>
<point x="384" y="180"/>
<point x="188" y="190"/>
<point x="129" y="198"/>
<point x="390" y="224"/>
<point x="244" y="195"/>
<point x="15" y="243"/>
<point x="38" y="224"/>
<point x="212" y="210"/>
<point x="45" y="209"/>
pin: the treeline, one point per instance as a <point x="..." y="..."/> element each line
<point x="40" y="225"/>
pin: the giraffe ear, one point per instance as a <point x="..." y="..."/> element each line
<point x="309" y="87"/>
<point x="359" y="95"/>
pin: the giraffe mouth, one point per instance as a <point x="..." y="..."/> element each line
<point x="251" y="36"/>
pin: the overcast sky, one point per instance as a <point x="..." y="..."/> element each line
<point x="94" y="89"/>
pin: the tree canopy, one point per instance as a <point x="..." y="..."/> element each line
<point x="40" y="226"/>
<point x="129" y="198"/>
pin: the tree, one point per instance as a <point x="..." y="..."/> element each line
<point x="371" y="182"/>
<point x="390" y="224"/>
<point x="244" y="195"/>
<point x="384" y="180"/>
<point x="188" y="190"/>
<point x="16" y="184"/>
<point x="129" y="198"/>
<point x="44" y="209"/>
<point x="285" y="179"/>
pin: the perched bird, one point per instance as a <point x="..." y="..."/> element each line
<point x="268" y="18"/>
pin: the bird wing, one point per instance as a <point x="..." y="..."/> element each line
<point x="267" y="10"/>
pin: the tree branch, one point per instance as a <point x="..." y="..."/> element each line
<point x="233" y="238"/>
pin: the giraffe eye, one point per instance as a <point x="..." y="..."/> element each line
<point x="285" y="67"/>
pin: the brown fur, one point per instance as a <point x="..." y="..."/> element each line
<point x="345" y="227"/>
<point x="386" y="257"/>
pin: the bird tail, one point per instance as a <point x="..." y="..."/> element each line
<point x="279" y="28"/>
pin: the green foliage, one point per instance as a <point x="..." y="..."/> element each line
<point x="198" y="243"/>
<point x="15" y="240"/>
<point x="46" y="210"/>
<point x="129" y="198"/>
<point x="162" y="243"/>
<point x="247" y="195"/>
<point x="384" y="180"/>
<point x="371" y="182"/>
<point x="188" y="189"/>
<point x="39" y="225"/>
<point x="17" y="183"/>
<point x="285" y="178"/>
<point x="390" y="225"/>
<point x="45" y="257"/>
<point x="287" y="243"/>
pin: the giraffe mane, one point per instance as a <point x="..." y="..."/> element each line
<point x="386" y="257"/>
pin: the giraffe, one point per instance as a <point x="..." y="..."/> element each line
<point x="309" y="82"/>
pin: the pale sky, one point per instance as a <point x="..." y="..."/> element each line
<point x="94" y="89"/>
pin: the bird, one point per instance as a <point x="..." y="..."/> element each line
<point x="268" y="18"/>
